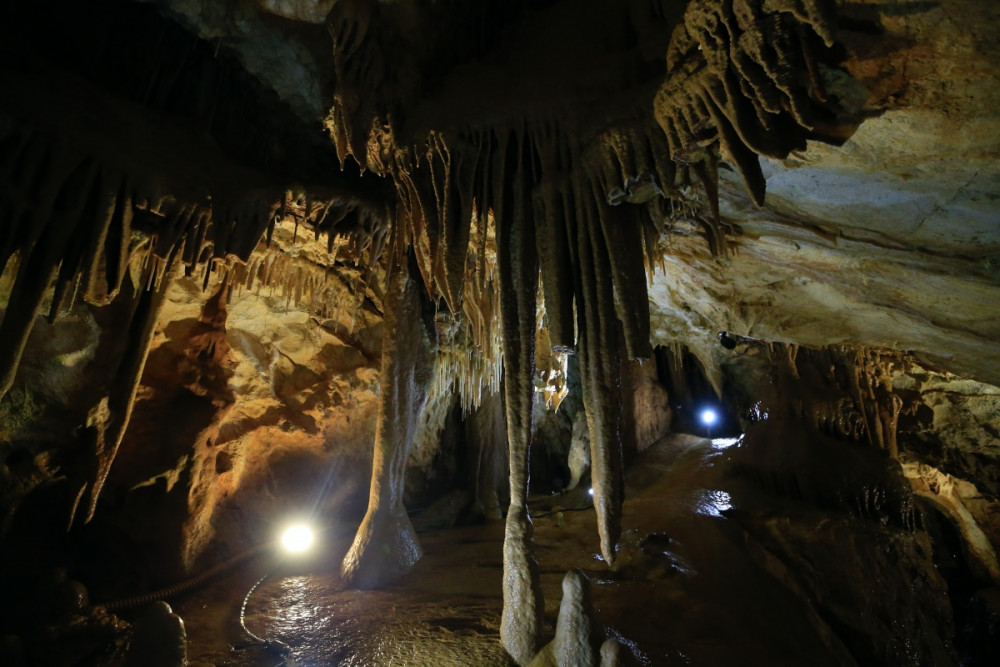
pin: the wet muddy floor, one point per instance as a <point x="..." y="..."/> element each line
<point x="685" y="588"/>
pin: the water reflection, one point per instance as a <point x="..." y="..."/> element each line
<point x="726" y="443"/>
<point x="295" y="607"/>
<point x="713" y="503"/>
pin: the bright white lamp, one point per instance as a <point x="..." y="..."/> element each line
<point x="297" y="538"/>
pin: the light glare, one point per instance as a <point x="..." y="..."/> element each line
<point x="708" y="417"/>
<point x="725" y="443"/>
<point x="297" y="539"/>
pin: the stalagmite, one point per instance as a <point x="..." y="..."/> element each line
<point x="611" y="653"/>
<point x="386" y="546"/>
<point x="571" y="645"/>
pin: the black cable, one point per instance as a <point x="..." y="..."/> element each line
<point x="277" y="648"/>
<point x="187" y="584"/>
<point x="243" y="607"/>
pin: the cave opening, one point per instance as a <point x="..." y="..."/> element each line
<point x="582" y="333"/>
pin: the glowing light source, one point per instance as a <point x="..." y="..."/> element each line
<point x="297" y="539"/>
<point x="709" y="416"/>
<point x="590" y="491"/>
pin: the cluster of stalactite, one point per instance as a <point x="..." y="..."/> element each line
<point x="552" y="367"/>
<point x="580" y="206"/>
<point x="813" y="402"/>
<point x="296" y="281"/>
<point x="865" y="408"/>
<point x="73" y="224"/>
<point x="470" y="341"/>
<point x="743" y="79"/>
<point x="74" y="229"/>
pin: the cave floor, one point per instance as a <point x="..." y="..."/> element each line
<point x="684" y="588"/>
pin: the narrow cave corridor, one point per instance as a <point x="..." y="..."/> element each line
<point x="577" y="332"/>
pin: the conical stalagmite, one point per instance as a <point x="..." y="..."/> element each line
<point x="571" y="645"/>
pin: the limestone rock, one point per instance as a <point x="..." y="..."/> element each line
<point x="158" y="640"/>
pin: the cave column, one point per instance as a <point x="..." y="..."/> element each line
<point x="386" y="546"/>
<point x="518" y="269"/>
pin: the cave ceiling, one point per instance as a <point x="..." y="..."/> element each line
<point x="888" y="239"/>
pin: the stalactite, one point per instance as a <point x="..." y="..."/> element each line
<point x="551" y="193"/>
<point x="114" y="217"/>
<point x="658" y="155"/>
<point x="479" y="338"/>
<point x="736" y="151"/>
<point x="871" y="388"/>
<point x="70" y="219"/>
<point x="458" y="224"/>
<point x="620" y="229"/>
<point x="24" y="172"/>
<point x="111" y="415"/>
<point x="600" y="338"/>
<point x="360" y="69"/>
<point x="56" y="212"/>
<point x="68" y="278"/>
<point x="557" y="283"/>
